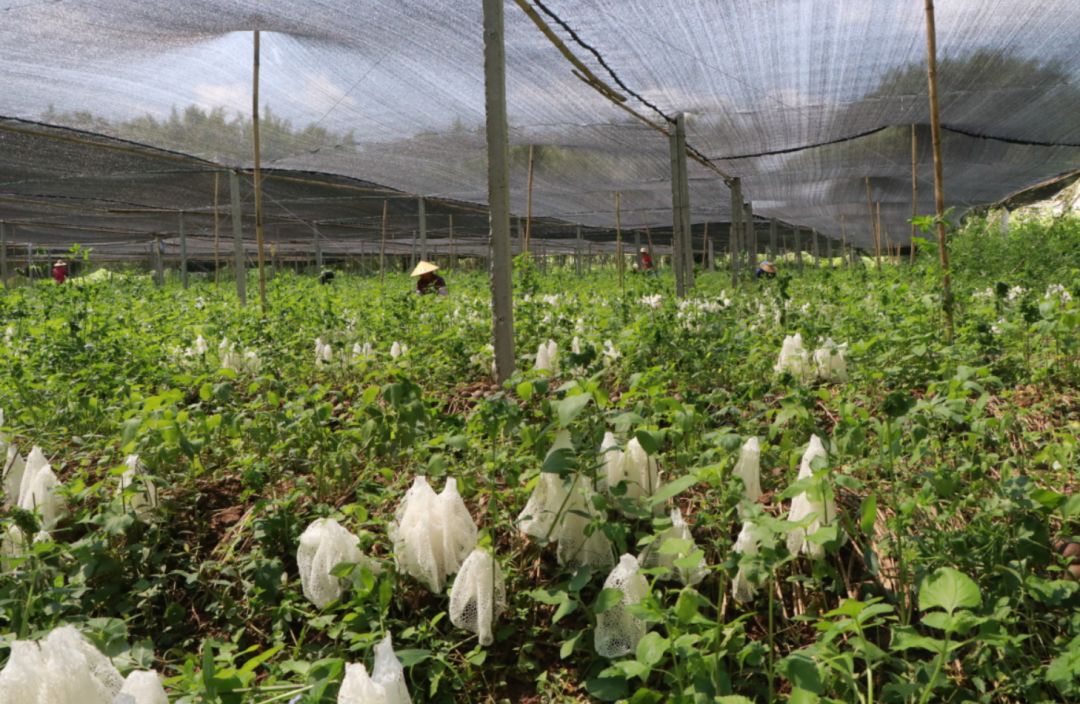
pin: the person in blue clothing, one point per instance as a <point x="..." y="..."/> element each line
<point x="765" y="270"/>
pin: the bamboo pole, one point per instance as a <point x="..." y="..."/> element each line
<point x="772" y="239"/>
<point x="382" y="241"/>
<point x="736" y="225"/>
<point x="498" y="188"/>
<point x="257" y="174"/>
<point x="751" y="238"/>
<point x="873" y="224"/>
<point x="240" y="262"/>
<point x="843" y="242"/>
<point x="577" y="250"/>
<point x="217" y="229"/>
<point x="705" y="246"/>
<point x="528" y="203"/>
<point x="421" y="217"/>
<point x="183" y="250"/>
<point x="914" y="190"/>
<point x="159" y="265"/>
<point x="880" y="235"/>
<point x="678" y="170"/>
<point x="618" y="240"/>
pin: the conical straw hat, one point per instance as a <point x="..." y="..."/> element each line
<point x="423" y="268"/>
<point x="768" y="267"/>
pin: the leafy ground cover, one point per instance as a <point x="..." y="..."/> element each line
<point x="952" y="464"/>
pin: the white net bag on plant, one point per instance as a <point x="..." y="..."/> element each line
<point x="478" y="595"/>
<point x="142" y="687"/>
<point x="385" y="685"/>
<point x="324" y="545"/>
<point x="748" y="468"/>
<point x="14" y="468"/>
<point x="611" y="460"/>
<point x="638" y="470"/>
<point x="39" y="490"/>
<point x="324" y="352"/>
<point x="830" y="362"/>
<point x="432" y="533"/>
<point x="657" y="554"/>
<point x="137" y="489"/>
<point x="805" y="506"/>
<point x="62" y="668"/>
<point x="617" y="630"/>
<point x="547" y="503"/>
<point x="794" y="358"/>
<point x="577" y="546"/>
<point x="746" y="545"/>
<point x="547" y="357"/>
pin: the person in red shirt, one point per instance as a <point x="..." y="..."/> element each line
<point x="60" y="271"/>
<point x="645" y="262"/>
<point x="428" y="281"/>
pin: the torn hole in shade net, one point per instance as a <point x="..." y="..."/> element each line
<point x="142" y="687"/>
<point x="324" y="545"/>
<point x="748" y="468"/>
<point x="656" y="554"/>
<point x="547" y="357"/>
<point x="746" y="546"/>
<point x="137" y="489"/>
<point x="385" y="685"/>
<point x="478" y="595"/>
<point x="577" y="545"/>
<point x="617" y="630"/>
<point x="39" y="490"/>
<point x="794" y="359"/>
<point x="804" y="506"/>
<point x="432" y="533"/>
<point x="829" y="361"/>
<point x="547" y="502"/>
<point x="62" y="668"/>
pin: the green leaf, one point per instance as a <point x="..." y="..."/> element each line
<point x="673" y="488"/>
<point x="649" y="442"/>
<point x="686" y="606"/>
<point x="412" y="656"/>
<point x="607" y="689"/>
<point x="571" y="407"/>
<point x="607" y="599"/>
<point x="525" y="390"/>
<point x="868" y="514"/>
<point x="801" y="670"/>
<point x="733" y="699"/>
<point x="560" y="461"/>
<point x="948" y="589"/>
<point x="568" y="645"/>
<point x="566" y="608"/>
<point x="652" y="648"/>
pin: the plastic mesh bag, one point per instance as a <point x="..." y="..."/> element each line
<point x="748" y="468"/>
<point x="432" y="533"/>
<point x="656" y="555"/>
<point x="611" y="456"/>
<point x="324" y="545"/>
<point x="142" y="687"/>
<point x="62" y="668"/>
<point x="38" y="490"/>
<point x="617" y="630"/>
<point x="478" y="595"/>
<point x="578" y="547"/>
<point x="14" y="467"/>
<point x="385" y="685"/>
<point x="636" y="469"/>
<point x="547" y="503"/>
<point x="547" y="357"/>
<point x="324" y="353"/>
<point x="747" y="544"/>
<point x="830" y="362"/>
<point x="142" y="499"/>
<point x="794" y="359"/>
<point x="805" y="505"/>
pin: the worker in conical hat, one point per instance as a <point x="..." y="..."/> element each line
<point x="645" y="261"/>
<point x="60" y="271"/>
<point x="428" y="281"/>
<point x="766" y="269"/>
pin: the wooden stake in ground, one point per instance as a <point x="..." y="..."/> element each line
<point x="528" y="203"/>
<point x="736" y="225"/>
<point x="618" y="241"/>
<point x="421" y="218"/>
<point x="914" y="189"/>
<point x="239" y="260"/>
<point x="217" y="231"/>
<point x="498" y="188"/>
<point x="873" y="224"/>
<point x="183" y="250"/>
<point x="382" y="241"/>
<point x="843" y="241"/>
<point x="257" y="174"/>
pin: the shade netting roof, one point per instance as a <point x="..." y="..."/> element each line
<point x="802" y="99"/>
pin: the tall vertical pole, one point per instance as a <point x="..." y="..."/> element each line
<point x="238" y="238"/>
<point x="3" y="253"/>
<point x="257" y="173"/>
<point x="878" y="234"/>
<point x="619" y="259"/>
<point x="799" y="248"/>
<point x="705" y="246"/>
<point x="183" y="251"/>
<point x="845" y="253"/>
<point x="815" y="248"/>
<point x="684" y="191"/>
<point x="217" y="228"/>
<point x="528" y="204"/>
<point x="421" y="216"/>
<point x="914" y="189"/>
<point x="29" y="261"/>
<point x="498" y="188"/>
<point x="828" y="251"/>
<point x="453" y="246"/>
<point x="159" y="265"/>
<point x="577" y="250"/>
<point x="772" y="238"/>
<point x="382" y="241"/>
<point x="317" y="241"/>
<point x="751" y="237"/>
<point x="873" y="224"/>
<point x="737" y="213"/>
<point x="677" y="167"/>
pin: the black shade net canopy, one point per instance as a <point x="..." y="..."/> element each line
<point x="123" y="117"/>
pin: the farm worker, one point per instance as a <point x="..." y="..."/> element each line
<point x="60" y="271"/>
<point x="429" y="281"/>
<point x="326" y="276"/>
<point x="766" y="269"/>
<point x="645" y="262"/>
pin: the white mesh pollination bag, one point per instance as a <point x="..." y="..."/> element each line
<point x="62" y="668"/>
<point x="142" y="499"/>
<point x="432" y="533"/>
<point x="657" y="555"/>
<point x="38" y="490"/>
<point x="617" y="630"/>
<point x="542" y="514"/>
<point x="804" y="506"/>
<point x="478" y="595"/>
<point x="14" y="545"/>
<point x="576" y="546"/>
<point x="748" y="468"/>
<point x="747" y="544"/>
<point x="794" y="359"/>
<point x="142" y="687"/>
<point x="385" y="685"/>
<point x="14" y="467"/>
<point x="830" y="362"/>
<point x="324" y="545"/>
<point x="324" y="353"/>
<point x="611" y="461"/>
<point x="634" y="467"/>
<point x="547" y="357"/>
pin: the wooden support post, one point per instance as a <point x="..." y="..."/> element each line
<point x="828" y="251"/>
<point x="29" y="262"/>
<point x="799" y="249"/>
<point x="183" y="250"/>
<point x="3" y="253"/>
<point x="772" y="238"/>
<point x="815" y="248"/>
<point x="217" y="229"/>
<point x="878" y="235"/>
<point x="873" y="224"/>
<point x="382" y="241"/>
<point x="914" y="190"/>
<point x="751" y="238"/>
<point x="845" y="254"/>
<point x="159" y="265"/>
<point x="238" y="238"/>
<point x="528" y="204"/>
<point x="677" y="145"/>
<point x="498" y="188"/>
<point x="578" y="253"/>
<point x="520" y="236"/>
<point x="453" y="246"/>
<point x="710" y="255"/>
<point x="317" y="241"/>
<point x="619" y="259"/>
<point x="412" y="251"/>
<point x="421" y="216"/>
<point x="257" y="174"/>
<point x="737" y="213"/>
